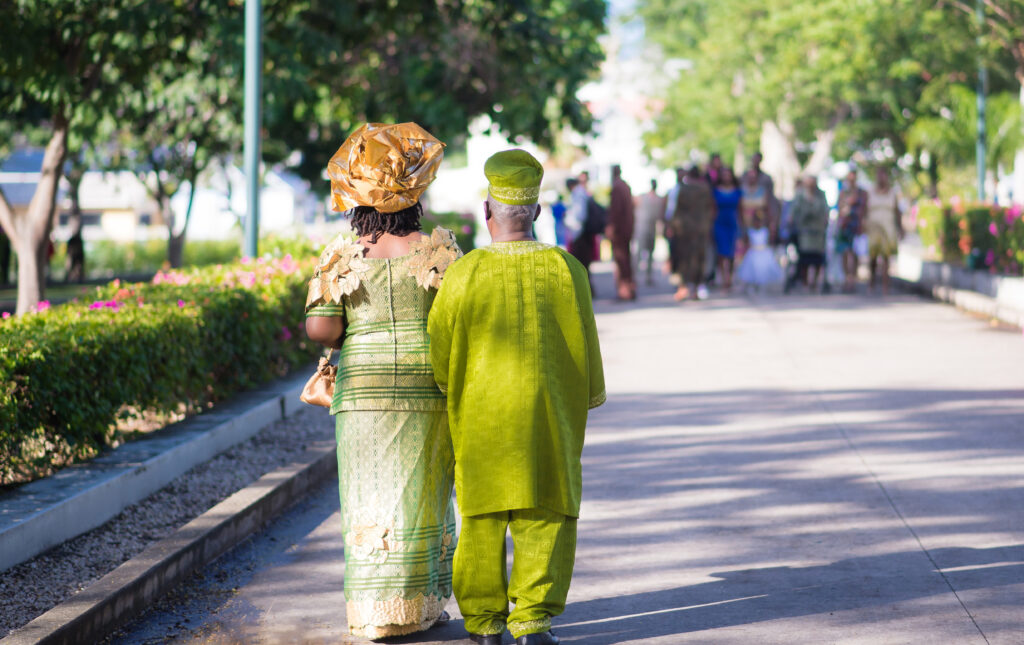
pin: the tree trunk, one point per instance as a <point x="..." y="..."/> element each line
<point x="32" y="229"/>
<point x="779" y="157"/>
<point x="75" y="268"/>
<point x="176" y="249"/>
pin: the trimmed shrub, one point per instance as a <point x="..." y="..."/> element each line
<point x="983" y="237"/>
<point x="70" y="374"/>
<point x="462" y="224"/>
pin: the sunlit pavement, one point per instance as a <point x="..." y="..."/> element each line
<point x="768" y="469"/>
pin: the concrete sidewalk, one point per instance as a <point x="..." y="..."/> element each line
<point x="768" y="469"/>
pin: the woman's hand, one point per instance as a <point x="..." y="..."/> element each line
<point x="326" y="330"/>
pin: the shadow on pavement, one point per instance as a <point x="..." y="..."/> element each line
<point x="743" y="597"/>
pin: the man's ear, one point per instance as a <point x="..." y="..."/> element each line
<point x="487" y="211"/>
<point x="537" y="214"/>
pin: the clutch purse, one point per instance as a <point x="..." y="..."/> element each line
<point x="319" y="389"/>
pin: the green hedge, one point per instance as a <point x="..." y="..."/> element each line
<point x="462" y="224"/>
<point x="983" y="237"/>
<point x="69" y="374"/>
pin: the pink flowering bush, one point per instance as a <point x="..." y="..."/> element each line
<point x="983" y="237"/>
<point x="69" y="373"/>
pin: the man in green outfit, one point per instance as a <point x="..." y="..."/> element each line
<point x="514" y="345"/>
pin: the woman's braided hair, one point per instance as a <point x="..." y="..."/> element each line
<point x="367" y="220"/>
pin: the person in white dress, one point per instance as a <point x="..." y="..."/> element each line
<point x="759" y="267"/>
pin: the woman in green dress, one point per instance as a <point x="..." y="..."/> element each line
<point x="370" y="297"/>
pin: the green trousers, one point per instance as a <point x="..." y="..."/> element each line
<point x="544" y="544"/>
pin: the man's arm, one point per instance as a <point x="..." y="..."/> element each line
<point x="440" y="323"/>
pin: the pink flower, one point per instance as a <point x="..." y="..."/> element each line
<point x="467" y="229"/>
<point x="992" y="228"/>
<point x="99" y="304"/>
<point x="285" y="334"/>
<point x="990" y="257"/>
<point x="140" y="302"/>
<point x="245" y="260"/>
<point x="181" y="303"/>
<point x="5" y="315"/>
<point x="266" y="281"/>
<point x="43" y="306"/>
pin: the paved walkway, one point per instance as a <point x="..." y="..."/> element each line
<point x="768" y="469"/>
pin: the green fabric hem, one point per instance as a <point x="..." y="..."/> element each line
<point x="538" y="626"/>
<point x="598" y="400"/>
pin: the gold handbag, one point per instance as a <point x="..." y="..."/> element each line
<point x="319" y="389"/>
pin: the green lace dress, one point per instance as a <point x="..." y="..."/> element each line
<point x="395" y="462"/>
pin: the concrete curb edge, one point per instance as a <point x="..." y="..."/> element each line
<point x="93" y="504"/>
<point x="971" y="301"/>
<point x="130" y="588"/>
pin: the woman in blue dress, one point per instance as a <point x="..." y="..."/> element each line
<point x="727" y="196"/>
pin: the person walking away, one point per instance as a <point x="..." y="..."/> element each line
<point x="753" y="205"/>
<point x="885" y="230"/>
<point x="713" y="173"/>
<point x="580" y="222"/>
<point x="772" y="206"/>
<point x="514" y="344"/>
<point x="370" y="298"/>
<point x="727" y="202"/>
<point x="648" y="214"/>
<point x="810" y="217"/>
<point x="689" y="230"/>
<point x="558" y="209"/>
<point x="853" y="205"/>
<point x="759" y="267"/>
<point x="670" y="209"/>
<point x="621" y="222"/>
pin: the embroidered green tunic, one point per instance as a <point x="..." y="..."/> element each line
<point x="514" y="344"/>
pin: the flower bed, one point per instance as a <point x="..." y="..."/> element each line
<point x="978" y="236"/>
<point x="70" y="374"/>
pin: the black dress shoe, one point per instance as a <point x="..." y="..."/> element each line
<point x="486" y="639"/>
<point x="543" y="638"/>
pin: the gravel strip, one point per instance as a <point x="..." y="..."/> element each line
<point x="33" y="587"/>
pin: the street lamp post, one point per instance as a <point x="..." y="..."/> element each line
<point x="253" y="99"/>
<point x="982" y="91"/>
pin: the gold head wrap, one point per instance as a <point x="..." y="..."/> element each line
<point x="385" y="166"/>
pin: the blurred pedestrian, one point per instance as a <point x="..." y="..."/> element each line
<point x="649" y="210"/>
<point x="809" y="214"/>
<point x="370" y="298"/>
<point x="514" y="344"/>
<point x="575" y="216"/>
<point x="753" y="204"/>
<point x="759" y="267"/>
<point x="853" y="206"/>
<point x="728" y="195"/>
<point x="558" y="209"/>
<point x="621" y="222"/>
<point x="773" y="209"/>
<point x="884" y="228"/>
<point x="689" y="230"/>
<point x="713" y="173"/>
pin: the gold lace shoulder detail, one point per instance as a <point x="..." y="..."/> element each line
<point x="338" y="273"/>
<point x="431" y="256"/>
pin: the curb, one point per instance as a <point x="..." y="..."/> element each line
<point x="42" y="514"/>
<point x="130" y="588"/>
<point x="971" y="301"/>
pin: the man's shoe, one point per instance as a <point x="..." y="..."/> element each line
<point x="543" y="638"/>
<point x="486" y="639"/>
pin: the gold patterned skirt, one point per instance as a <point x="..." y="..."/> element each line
<point x="395" y="472"/>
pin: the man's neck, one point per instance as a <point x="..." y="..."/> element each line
<point x="513" y="236"/>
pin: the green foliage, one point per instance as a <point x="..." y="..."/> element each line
<point x="982" y="237"/>
<point x="865" y="70"/>
<point x="462" y="224"/>
<point x="69" y="374"/>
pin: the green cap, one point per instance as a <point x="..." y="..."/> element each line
<point x="514" y="177"/>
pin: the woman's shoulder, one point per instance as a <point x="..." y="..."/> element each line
<point x="338" y="272"/>
<point x="431" y="255"/>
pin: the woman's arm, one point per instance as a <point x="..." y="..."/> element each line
<point x="326" y="330"/>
